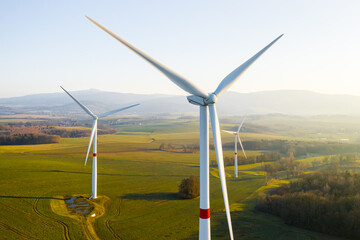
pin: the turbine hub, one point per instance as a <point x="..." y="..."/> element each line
<point x="211" y="99"/>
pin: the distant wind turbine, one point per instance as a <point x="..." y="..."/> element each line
<point x="93" y="139"/>
<point x="206" y="101"/>
<point x="236" y="134"/>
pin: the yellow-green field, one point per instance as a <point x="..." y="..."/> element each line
<point x="140" y="183"/>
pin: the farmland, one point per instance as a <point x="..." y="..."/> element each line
<point x="139" y="183"/>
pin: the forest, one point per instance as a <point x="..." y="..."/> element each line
<point x="43" y="132"/>
<point x="28" y="138"/>
<point x="326" y="201"/>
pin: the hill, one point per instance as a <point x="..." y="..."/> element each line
<point x="292" y="102"/>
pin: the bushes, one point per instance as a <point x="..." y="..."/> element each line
<point x="189" y="188"/>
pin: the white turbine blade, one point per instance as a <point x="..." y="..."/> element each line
<point x="242" y="122"/>
<point x="230" y="79"/>
<point x="93" y="130"/>
<point x="176" y="78"/>
<point x="242" y="148"/>
<point x="219" y="155"/>
<point x="81" y="105"/>
<point x="228" y="131"/>
<point x="116" y="110"/>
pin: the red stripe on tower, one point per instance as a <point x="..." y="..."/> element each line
<point x="204" y="213"/>
<point x="94" y="154"/>
<point x="236" y="153"/>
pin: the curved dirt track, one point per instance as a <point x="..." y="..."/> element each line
<point x="66" y="233"/>
<point x="107" y="222"/>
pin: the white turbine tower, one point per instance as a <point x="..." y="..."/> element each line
<point x="206" y="101"/>
<point x="93" y="139"/>
<point x="236" y="134"/>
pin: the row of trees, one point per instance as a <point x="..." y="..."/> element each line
<point x="23" y="139"/>
<point x="188" y="148"/>
<point x="278" y="147"/>
<point x="75" y="133"/>
<point x="327" y="201"/>
<point x="296" y="168"/>
<point x="265" y="157"/>
<point x="288" y="164"/>
<point x="298" y="148"/>
<point x="42" y="132"/>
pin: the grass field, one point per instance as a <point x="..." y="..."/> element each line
<point x="140" y="183"/>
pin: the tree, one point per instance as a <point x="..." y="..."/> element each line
<point x="189" y="188"/>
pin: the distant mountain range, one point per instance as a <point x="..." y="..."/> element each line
<point x="293" y="102"/>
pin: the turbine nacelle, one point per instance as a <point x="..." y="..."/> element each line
<point x="200" y="101"/>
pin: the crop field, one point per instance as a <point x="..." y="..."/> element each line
<point x="137" y="185"/>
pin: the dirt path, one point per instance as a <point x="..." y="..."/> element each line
<point x="66" y="233"/>
<point x="107" y="222"/>
<point x="88" y="230"/>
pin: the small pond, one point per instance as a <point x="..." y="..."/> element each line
<point x="79" y="205"/>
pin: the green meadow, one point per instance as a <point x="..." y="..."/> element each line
<point x="140" y="185"/>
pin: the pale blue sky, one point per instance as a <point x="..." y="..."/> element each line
<point x="44" y="44"/>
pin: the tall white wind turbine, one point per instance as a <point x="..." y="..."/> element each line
<point x="236" y="134"/>
<point x="93" y="139"/>
<point x="206" y="101"/>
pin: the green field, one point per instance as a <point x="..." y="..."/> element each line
<point x="141" y="184"/>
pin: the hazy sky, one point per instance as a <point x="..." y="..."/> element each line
<point x="44" y="44"/>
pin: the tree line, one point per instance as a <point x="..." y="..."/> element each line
<point x="28" y="138"/>
<point x="326" y="201"/>
<point x="185" y="148"/>
<point x="298" y="148"/>
<point x="75" y="133"/>
<point x="264" y="157"/>
<point x="296" y="168"/>
<point x="43" y="132"/>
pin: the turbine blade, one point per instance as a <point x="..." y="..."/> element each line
<point x="219" y="155"/>
<point x="81" y="105"/>
<point x="228" y="131"/>
<point x="176" y="78"/>
<point x="116" y="110"/>
<point x="92" y="134"/>
<point x="230" y="79"/>
<point x="242" y="148"/>
<point x="242" y="122"/>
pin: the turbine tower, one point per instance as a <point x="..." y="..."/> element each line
<point x="236" y="134"/>
<point x="93" y="139"/>
<point x="206" y="102"/>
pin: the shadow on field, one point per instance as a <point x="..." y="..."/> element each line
<point x="110" y="174"/>
<point x="25" y="197"/>
<point x="152" y="196"/>
<point x="242" y="179"/>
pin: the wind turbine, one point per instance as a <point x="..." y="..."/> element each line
<point x="206" y="101"/>
<point x="93" y="139"/>
<point x="236" y="134"/>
